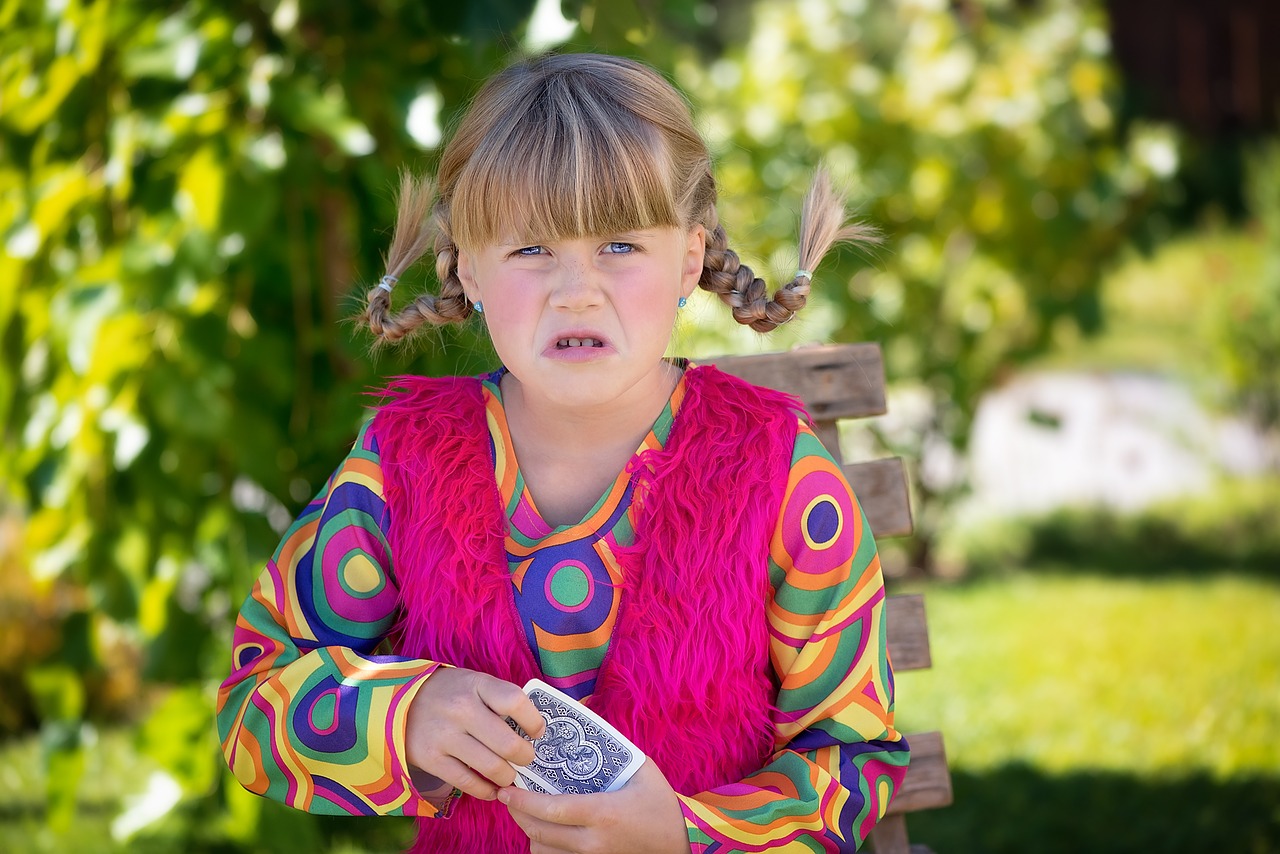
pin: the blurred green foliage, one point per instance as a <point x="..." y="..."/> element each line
<point x="1156" y="304"/>
<point x="981" y="137"/>
<point x="1228" y="529"/>
<point x="1247" y="326"/>
<point x="188" y="194"/>
<point x="192" y="194"/>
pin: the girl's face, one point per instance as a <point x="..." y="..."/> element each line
<point x="583" y="323"/>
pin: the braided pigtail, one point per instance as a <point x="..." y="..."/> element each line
<point x="723" y="273"/>
<point x="415" y="224"/>
<point x="452" y="301"/>
<point x="822" y="225"/>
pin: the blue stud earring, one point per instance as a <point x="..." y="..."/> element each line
<point x="478" y="307"/>
<point x="682" y="303"/>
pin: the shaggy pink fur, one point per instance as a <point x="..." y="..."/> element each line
<point x="687" y="674"/>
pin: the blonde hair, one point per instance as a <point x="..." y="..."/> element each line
<point x="563" y="146"/>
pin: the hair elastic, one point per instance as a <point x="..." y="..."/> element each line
<point x="803" y="274"/>
<point x="388" y="282"/>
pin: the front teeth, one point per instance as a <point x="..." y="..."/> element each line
<point x="580" y="342"/>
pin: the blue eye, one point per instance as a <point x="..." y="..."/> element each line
<point x="619" y="248"/>
<point x="529" y="251"/>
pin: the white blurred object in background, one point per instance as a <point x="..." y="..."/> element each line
<point x="1120" y="440"/>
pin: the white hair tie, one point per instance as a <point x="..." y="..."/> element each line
<point x="387" y="282"/>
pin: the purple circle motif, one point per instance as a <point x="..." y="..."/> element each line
<point x="248" y="653"/>
<point x="324" y="720"/>
<point x="822" y="523"/>
<point x="819" y="523"/>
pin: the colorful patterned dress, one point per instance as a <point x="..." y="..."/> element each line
<point x="314" y="716"/>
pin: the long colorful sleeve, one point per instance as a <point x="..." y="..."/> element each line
<point x="310" y="715"/>
<point x="837" y="757"/>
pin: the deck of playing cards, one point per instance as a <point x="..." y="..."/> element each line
<point x="580" y="753"/>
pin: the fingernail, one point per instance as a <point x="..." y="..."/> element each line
<point x="504" y="795"/>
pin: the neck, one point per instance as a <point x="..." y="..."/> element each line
<point x="569" y="456"/>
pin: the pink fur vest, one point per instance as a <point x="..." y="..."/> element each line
<point x="687" y="675"/>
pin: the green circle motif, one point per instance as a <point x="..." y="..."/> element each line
<point x="570" y="586"/>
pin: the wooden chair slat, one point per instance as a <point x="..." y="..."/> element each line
<point x="833" y="381"/>
<point x="889" y="836"/>
<point x="928" y="782"/>
<point x="908" y="633"/>
<point x="828" y="432"/>
<point x="881" y="487"/>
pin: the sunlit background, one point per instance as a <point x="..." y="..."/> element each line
<point x="1078" y="298"/>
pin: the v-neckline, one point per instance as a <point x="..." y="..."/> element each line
<point x="510" y="478"/>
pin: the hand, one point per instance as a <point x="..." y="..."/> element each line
<point x="457" y="733"/>
<point x="643" y="817"/>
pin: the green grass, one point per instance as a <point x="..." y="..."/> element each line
<point x="1089" y="713"/>
<point x="1073" y="673"/>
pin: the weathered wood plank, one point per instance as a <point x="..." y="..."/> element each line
<point x="889" y="836"/>
<point x="828" y="433"/>
<point x="881" y="487"/>
<point x="928" y="782"/>
<point x="833" y="381"/>
<point x="908" y="632"/>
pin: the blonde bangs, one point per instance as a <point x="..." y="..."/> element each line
<point x="570" y="163"/>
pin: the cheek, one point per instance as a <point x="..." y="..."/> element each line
<point x="509" y="303"/>
<point x="657" y="307"/>
<point x="503" y="324"/>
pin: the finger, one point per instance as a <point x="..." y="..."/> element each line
<point x="459" y="775"/>
<point x="494" y="732"/>
<point x="508" y="701"/>
<point x="564" y="810"/>
<point x="546" y="835"/>
<point x="479" y="758"/>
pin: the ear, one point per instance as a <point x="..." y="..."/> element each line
<point x="695" y="254"/>
<point x="466" y="275"/>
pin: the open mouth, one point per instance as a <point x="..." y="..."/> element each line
<point x="566" y="343"/>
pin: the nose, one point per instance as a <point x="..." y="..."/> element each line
<point x="576" y="287"/>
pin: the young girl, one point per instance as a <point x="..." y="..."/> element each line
<point x="667" y="544"/>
